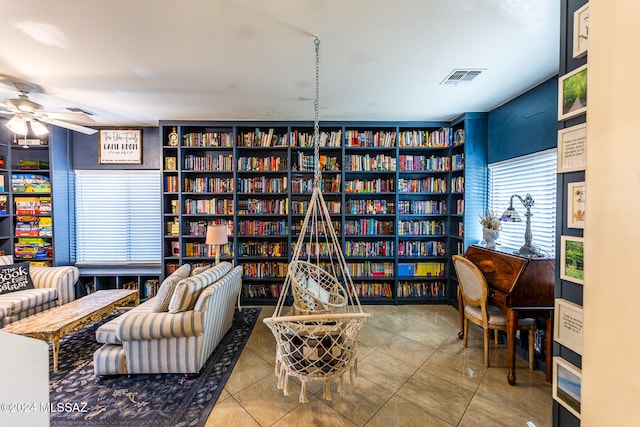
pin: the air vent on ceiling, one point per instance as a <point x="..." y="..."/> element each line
<point x="458" y="76"/>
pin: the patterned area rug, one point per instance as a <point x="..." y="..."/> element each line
<point x="140" y="400"/>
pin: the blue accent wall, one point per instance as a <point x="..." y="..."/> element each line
<point x="524" y="125"/>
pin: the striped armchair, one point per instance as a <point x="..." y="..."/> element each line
<point x="53" y="286"/>
<point x="179" y="340"/>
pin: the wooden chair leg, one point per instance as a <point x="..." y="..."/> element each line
<point x="495" y="337"/>
<point x="486" y="347"/>
<point x="531" y="351"/>
<point x="466" y="331"/>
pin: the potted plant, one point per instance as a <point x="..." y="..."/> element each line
<point x="490" y="228"/>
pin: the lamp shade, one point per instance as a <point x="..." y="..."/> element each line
<point x="38" y="128"/>
<point x="217" y="234"/>
<point x="510" y="215"/>
<point x="17" y="125"/>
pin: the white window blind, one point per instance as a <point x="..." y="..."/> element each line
<point x="534" y="174"/>
<point x="118" y="216"/>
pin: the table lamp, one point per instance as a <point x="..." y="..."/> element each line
<point x="511" y="215"/>
<point x="217" y="235"/>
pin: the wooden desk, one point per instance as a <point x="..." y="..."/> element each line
<point x="53" y="324"/>
<point x="520" y="287"/>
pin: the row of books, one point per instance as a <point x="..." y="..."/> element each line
<point x="198" y="249"/>
<point x="262" y="184"/>
<point x="357" y="138"/>
<point x="370" y="269"/>
<point x="374" y="290"/>
<point x="262" y="164"/>
<point x="32" y="205"/>
<point x="379" y="185"/>
<point x="315" y="249"/>
<point x="208" y="184"/>
<point x="208" y="163"/>
<point x="442" y="138"/>
<point x="170" y="184"/>
<point x="275" y="249"/>
<point x="370" y="163"/>
<point x="306" y="163"/>
<point x="423" y="139"/>
<point x="327" y="139"/>
<point x="368" y="227"/>
<point x="32" y="248"/>
<point x="262" y="270"/>
<point x="208" y="139"/>
<point x="457" y="161"/>
<point x="262" y="228"/>
<point x="419" y="163"/>
<point x="34" y="226"/>
<point x="209" y="206"/>
<point x="421" y="228"/>
<point x="422" y="207"/>
<point x="421" y="269"/>
<point x="30" y="183"/>
<point x="460" y="207"/>
<point x="300" y="207"/>
<point x="260" y="138"/>
<point x="328" y="184"/>
<point x="369" y="248"/>
<point x="425" y="185"/>
<point x="370" y="207"/>
<point x="457" y="184"/>
<point x="261" y="291"/>
<point x="261" y="207"/>
<point x="417" y="248"/>
<point x="422" y="289"/>
<point x="296" y="227"/>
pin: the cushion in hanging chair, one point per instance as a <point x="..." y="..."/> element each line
<point x="314" y="289"/>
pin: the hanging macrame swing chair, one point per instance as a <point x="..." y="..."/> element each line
<point x="318" y="342"/>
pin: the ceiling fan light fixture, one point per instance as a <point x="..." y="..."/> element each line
<point x="38" y="128"/>
<point x="17" y="125"/>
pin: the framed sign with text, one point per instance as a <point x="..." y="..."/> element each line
<point x="120" y="147"/>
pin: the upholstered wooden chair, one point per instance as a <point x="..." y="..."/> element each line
<point x="475" y="296"/>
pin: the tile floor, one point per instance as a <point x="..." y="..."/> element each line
<point x="413" y="371"/>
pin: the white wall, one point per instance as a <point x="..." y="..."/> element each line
<point x="611" y="348"/>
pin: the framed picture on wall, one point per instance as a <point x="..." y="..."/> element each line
<point x="572" y="259"/>
<point x="568" y="320"/>
<point x="120" y="147"/>
<point x="572" y="93"/>
<point x="572" y="148"/>
<point x="576" y="204"/>
<point x="581" y="31"/>
<point x="567" y="385"/>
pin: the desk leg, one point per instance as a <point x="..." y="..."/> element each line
<point x="549" y="345"/>
<point x="512" y="323"/>
<point x="55" y="345"/>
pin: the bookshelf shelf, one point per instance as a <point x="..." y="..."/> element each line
<point x="376" y="178"/>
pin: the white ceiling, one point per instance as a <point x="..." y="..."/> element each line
<point x="137" y="62"/>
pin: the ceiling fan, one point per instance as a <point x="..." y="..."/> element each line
<point x="25" y="113"/>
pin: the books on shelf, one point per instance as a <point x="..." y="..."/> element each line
<point x="3" y="204"/>
<point x="30" y="183"/>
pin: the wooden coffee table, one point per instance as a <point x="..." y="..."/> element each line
<point x="53" y="324"/>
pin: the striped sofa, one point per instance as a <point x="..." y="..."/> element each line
<point x="179" y="340"/>
<point x="53" y="286"/>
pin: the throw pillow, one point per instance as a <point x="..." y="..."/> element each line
<point x="15" y="277"/>
<point x="165" y="291"/>
<point x="197" y="270"/>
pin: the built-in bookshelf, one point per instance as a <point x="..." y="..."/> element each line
<point x="389" y="188"/>
<point x="26" y="204"/>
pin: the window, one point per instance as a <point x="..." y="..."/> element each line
<point x="117" y="216"/>
<point x="534" y="174"/>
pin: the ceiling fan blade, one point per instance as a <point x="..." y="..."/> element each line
<point x="70" y="126"/>
<point x="71" y="117"/>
